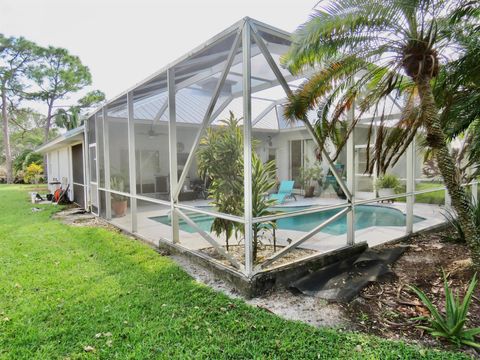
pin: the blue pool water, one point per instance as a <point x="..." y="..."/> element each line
<point x="365" y="216"/>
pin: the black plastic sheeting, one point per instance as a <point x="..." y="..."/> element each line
<point x="342" y="281"/>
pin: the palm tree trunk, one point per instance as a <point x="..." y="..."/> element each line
<point x="6" y="138"/>
<point x="446" y="165"/>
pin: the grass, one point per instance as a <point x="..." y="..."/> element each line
<point x="435" y="197"/>
<point x="64" y="288"/>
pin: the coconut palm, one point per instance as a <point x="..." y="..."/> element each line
<point x="366" y="50"/>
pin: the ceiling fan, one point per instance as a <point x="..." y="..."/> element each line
<point x="152" y="133"/>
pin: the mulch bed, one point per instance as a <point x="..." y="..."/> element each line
<point x="264" y="251"/>
<point x="388" y="308"/>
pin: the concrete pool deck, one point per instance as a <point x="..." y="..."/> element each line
<point x="153" y="231"/>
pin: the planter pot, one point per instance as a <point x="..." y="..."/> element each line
<point x="119" y="207"/>
<point x="386" y="192"/>
<point x="309" y="191"/>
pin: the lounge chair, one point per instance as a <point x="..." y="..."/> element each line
<point x="284" y="191"/>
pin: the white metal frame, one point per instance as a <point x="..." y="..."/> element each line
<point x="244" y="31"/>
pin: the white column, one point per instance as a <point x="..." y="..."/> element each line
<point x="247" y="144"/>
<point x="172" y="138"/>
<point x="131" y="161"/>
<point x="351" y="179"/>
<point x="410" y="186"/>
<point x="106" y="164"/>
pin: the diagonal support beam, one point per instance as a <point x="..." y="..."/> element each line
<point x="160" y="112"/>
<point x="208" y="114"/>
<point x="303" y="238"/>
<point x="209" y="239"/>
<point x="288" y="91"/>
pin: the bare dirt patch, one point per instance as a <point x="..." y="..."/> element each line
<point x="75" y="216"/>
<point x="388" y="309"/>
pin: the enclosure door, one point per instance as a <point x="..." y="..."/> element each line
<point x="92" y="155"/>
<point x="78" y="175"/>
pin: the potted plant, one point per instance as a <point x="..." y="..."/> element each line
<point x="119" y="202"/>
<point x="309" y="176"/>
<point x="387" y="185"/>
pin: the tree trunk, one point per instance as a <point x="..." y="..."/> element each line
<point x="6" y="138"/>
<point x="450" y="173"/>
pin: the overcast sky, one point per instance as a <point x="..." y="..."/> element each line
<point x="123" y="42"/>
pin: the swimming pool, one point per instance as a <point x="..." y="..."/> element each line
<point x="365" y="216"/>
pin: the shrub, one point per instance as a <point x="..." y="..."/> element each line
<point x="452" y="219"/>
<point x="220" y="158"/>
<point x="388" y="181"/>
<point x="32" y="157"/>
<point x="451" y="325"/>
<point x="32" y="173"/>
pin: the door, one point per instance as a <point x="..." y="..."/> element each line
<point x="78" y="175"/>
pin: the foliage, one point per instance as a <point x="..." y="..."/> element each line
<point x="388" y="181"/>
<point x="32" y="157"/>
<point x="16" y="58"/>
<point x="451" y="325"/>
<point x="57" y="74"/>
<point x="452" y="219"/>
<point x="117" y="182"/>
<point x="263" y="180"/>
<point x="72" y="117"/>
<point x="32" y="173"/>
<point x="365" y="51"/>
<point x="67" y="283"/>
<point x="220" y="158"/>
<point x="309" y="174"/>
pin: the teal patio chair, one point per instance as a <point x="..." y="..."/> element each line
<point x="284" y="191"/>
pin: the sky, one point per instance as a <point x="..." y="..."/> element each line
<point x="125" y="41"/>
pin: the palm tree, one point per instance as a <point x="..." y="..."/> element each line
<point x="367" y="50"/>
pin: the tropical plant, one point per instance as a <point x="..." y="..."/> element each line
<point x="117" y="182"/>
<point x="387" y="181"/>
<point x="263" y="180"/>
<point x="369" y="50"/>
<point x="451" y="325"/>
<point x="311" y="173"/>
<point x="220" y="158"/>
<point x="452" y="219"/>
<point x="72" y="117"/>
<point x="32" y="173"/>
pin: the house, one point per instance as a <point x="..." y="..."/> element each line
<point x="139" y="169"/>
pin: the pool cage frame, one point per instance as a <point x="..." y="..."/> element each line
<point x="245" y="30"/>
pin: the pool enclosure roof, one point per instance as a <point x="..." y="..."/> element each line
<point x="213" y="70"/>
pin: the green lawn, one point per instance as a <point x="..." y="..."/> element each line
<point x="61" y="285"/>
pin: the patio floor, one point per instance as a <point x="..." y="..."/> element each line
<point x="153" y="231"/>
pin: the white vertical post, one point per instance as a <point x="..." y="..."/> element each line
<point x="86" y="167"/>
<point x="172" y="138"/>
<point x="247" y="146"/>
<point x="410" y="186"/>
<point x="131" y="161"/>
<point x="106" y="163"/>
<point x="351" y="179"/>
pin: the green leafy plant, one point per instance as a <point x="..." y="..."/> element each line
<point x="220" y="158"/>
<point x="452" y="219"/>
<point x="309" y="174"/>
<point x="117" y="182"/>
<point x="388" y="181"/>
<point x="451" y="325"/>
<point x="32" y="173"/>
